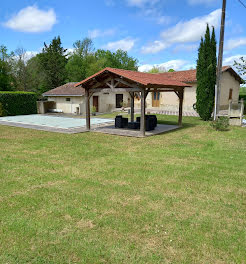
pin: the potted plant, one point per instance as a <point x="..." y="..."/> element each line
<point x="93" y="110"/>
<point x="123" y="105"/>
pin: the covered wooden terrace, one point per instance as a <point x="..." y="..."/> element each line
<point x="118" y="80"/>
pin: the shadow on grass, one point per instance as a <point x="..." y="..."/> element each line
<point x="185" y="125"/>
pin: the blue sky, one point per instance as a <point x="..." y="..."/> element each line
<point x="163" y="32"/>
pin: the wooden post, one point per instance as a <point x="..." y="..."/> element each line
<point x="241" y="112"/>
<point x="87" y="110"/>
<point x="142" y="123"/>
<point x="132" y="106"/>
<point x="181" y="99"/>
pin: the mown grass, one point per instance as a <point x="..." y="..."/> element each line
<point x="179" y="197"/>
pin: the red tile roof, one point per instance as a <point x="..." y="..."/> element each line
<point x="67" y="89"/>
<point x="189" y="76"/>
<point x="146" y="79"/>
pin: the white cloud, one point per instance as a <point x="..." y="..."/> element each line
<point x="141" y="3"/>
<point x="184" y="32"/>
<point x="186" y="47"/>
<point x="172" y="64"/>
<point x="31" y="19"/>
<point x="197" y="2"/>
<point x="29" y="54"/>
<point x="124" y="44"/>
<point x="230" y="60"/>
<point x="97" y="33"/>
<point x="235" y="43"/>
<point x="191" y="30"/>
<point x="154" y="47"/>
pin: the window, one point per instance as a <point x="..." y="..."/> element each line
<point x="68" y="99"/>
<point x="230" y="94"/>
<point x="154" y="95"/>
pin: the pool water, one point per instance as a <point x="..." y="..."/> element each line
<point x="53" y="121"/>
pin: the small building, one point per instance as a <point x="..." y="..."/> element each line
<point x="230" y="86"/>
<point x="69" y="99"/>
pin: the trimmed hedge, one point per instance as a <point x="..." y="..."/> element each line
<point x="18" y="103"/>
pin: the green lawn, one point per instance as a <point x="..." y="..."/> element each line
<point x="179" y="197"/>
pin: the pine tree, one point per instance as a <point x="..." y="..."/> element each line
<point x="206" y="75"/>
<point x="53" y="61"/>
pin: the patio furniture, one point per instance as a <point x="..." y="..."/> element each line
<point x="151" y="122"/>
<point x="134" y="125"/>
<point x="121" y="122"/>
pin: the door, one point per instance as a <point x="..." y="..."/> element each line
<point x="155" y="99"/>
<point x="119" y="100"/>
<point x="95" y="103"/>
<point x="230" y="94"/>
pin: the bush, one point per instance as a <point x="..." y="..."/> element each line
<point x="1" y="110"/>
<point x="221" y="124"/>
<point x="18" y="103"/>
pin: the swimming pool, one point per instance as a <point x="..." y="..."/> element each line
<point x="53" y="121"/>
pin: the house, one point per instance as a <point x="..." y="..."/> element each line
<point x="168" y="101"/>
<point x="71" y="100"/>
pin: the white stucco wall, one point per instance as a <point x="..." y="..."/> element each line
<point x="228" y="82"/>
<point x="67" y="107"/>
<point x="170" y="101"/>
<point x="106" y="102"/>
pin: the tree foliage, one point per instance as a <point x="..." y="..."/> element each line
<point x="157" y="69"/>
<point x="241" y="66"/>
<point x="6" y="77"/>
<point x="55" y="66"/>
<point x="53" y="61"/>
<point x="206" y="75"/>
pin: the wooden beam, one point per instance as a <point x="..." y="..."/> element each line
<point x="87" y="110"/>
<point x="132" y="106"/>
<point x="143" y="105"/>
<point x="108" y="90"/>
<point x="147" y="92"/>
<point x="181" y="99"/>
<point x="137" y="88"/>
<point x="100" y="83"/>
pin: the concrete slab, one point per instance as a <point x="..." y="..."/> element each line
<point x="160" y="129"/>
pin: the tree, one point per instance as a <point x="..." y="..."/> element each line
<point x="171" y="70"/>
<point x="206" y="75"/>
<point x="241" y="66"/>
<point x="53" y="62"/>
<point x="6" y="77"/>
<point x="20" y="69"/>
<point x="119" y="59"/>
<point x="80" y="59"/>
<point x="157" y="69"/>
<point x="37" y="80"/>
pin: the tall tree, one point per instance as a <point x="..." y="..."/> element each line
<point x="206" y="75"/>
<point x="80" y="59"/>
<point x="6" y="77"/>
<point x="241" y="66"/>
<point x="119" y="59"/>
<point x="53" y="62"/>
<point x="37" y="80"/>
<point x="20" y="69"/>
<point x="157" y="69"/>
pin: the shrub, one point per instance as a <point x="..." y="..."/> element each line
<point x="1" y="110"/>
<point x="221" y="124"/>
<point x="18" y="103"/>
